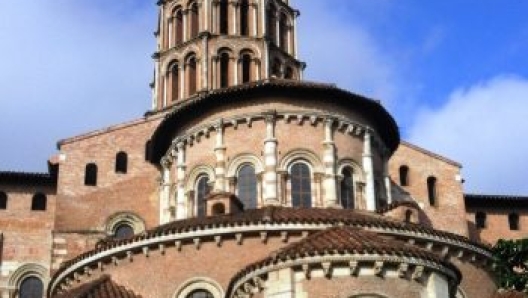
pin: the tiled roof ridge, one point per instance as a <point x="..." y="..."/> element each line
<point x="27" y="177"/>
<point x="431" y="153"/>
<point x="89" y="289"/>
<point x="343" y="240"/>
<point x="495" y="197"/>
<point x="396" y="204"/>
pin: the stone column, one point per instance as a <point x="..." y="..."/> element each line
<point x="206" y="15"/>
<point x="214" y="77"/>
<point x="181" y="202"/>
<point x="220" y="151"/>
<point x="165" y="185"/>
<point x="205" y="61"/>
<point x="214" y="16"/>
<point x="270" y="161"/>
<point x="235" y="70"/>
<point x="157" y="84"/>
<point x="233" y="9"/>
<point x="329" y="161"/>
<point x="295" y="39"/>
<point x="185" y="14"/>
<point x="169" y="32"/>
<point x="165" y="83"/>
<point x="181" y="68"/>
<point x="264" y="22"/>
<point x="254" y="8"/>
<point x="368" y="167"/>
<point x="387" y="180"/>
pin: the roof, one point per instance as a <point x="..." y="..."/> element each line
<point x="104" y="287"/>
<point x="26" y="178"/>
<point x="432" y="154"/>
<point x="509" y="294"/>
<point x="495" y="201"/>
<point x="193" y="107"/>
<point x="396" y="204"/>
<point x="339" y="241"/>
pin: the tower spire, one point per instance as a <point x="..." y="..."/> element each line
<point x="212" y="44"/>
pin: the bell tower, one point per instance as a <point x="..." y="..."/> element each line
<point x="204" y="45"/>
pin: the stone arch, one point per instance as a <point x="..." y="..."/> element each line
<point x="28" y="270"/>
<point x="242" y="159"/>
<point x="359" y="174"/>
<point x="368" y="295"/>
<point x="124" y="218"/>
<point x="301" y="154"/>
<point x="199" y="283"/>
<point x="196" y="172"/>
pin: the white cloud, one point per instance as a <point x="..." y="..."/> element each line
<point x="485" y="127"/>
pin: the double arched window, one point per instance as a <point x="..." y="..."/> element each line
<point x="301" y="185"/>
<point x="201" y="192"/>
<point x="3" y="200"/>
<point x="247" y="186"/>
<point x="347" y="188"/>
<point x="31" y="287"/>
<point x="39" y="202"/>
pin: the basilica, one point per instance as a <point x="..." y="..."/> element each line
<point x="245" y="180"/>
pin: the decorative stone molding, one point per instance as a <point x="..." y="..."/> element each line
<point x="199" y="283"/>
<point x="124" y="218"/>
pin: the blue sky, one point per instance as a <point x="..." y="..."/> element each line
<point x="453" y="73"/>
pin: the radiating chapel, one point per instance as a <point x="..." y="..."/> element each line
<point x="245" y="180"/>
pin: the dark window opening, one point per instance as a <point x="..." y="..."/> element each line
<point x="431" y="191"/>
<point x="513" y="220"/>
<point x="276" y="68"/>
<point x="289" y="73"/>
<point x="404" y="175"/>
<point x="347" y="189"/>
<point x="244" y="18"/>
<point x="272" y="24"/>
<point x="192" y="76"/>
<point x="3" y="200"/>
<point x="31" y="287"/>
<point x="148" y="150"/>
<point x="123" y="231"/>
<point x="480" y="220"/>
<point x="246" y="68"/>
<point x="195" y="18"/>
<point x="224" y="17"/>
<point x="38" y="203"/>
<point x="224" y="70"/>
<point x="175" y="82"/>
<point x="202" y="190"/>
<point x="200" y="294"/>
<point x="218" y="209"/>
<point x="121" y="165"/>
<point x="283" y="29"/>
<point x="90" y="175"/>
<point x="408" y="216"/>
<point x="301" y="185"/>
<point x="178" y="24"/>
<point x="247" y="186"/>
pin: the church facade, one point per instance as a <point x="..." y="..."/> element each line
<point x="245" y="180"/>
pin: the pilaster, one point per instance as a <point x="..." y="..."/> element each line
<point x="220" y="151"/>
<point x="368" y="167"/>
<point x="181" y="205"/>
<point x="329" y="161"/>
<point x="270" y="161"/>
<point x="165" y="185"/>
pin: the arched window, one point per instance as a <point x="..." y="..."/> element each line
<point x="123" y="231"/>
<point x="175" y="81"/>
<point x="147" y="150"/>
<point x="276" y="68"/>
<point x="301" y="185"/>
<point x="38" y="203"/>
<point x="178" y="27"/>
<point x="513" y="220"/>
<point x="246" y="68"/>
<point x="289" y="73"/>
<point x="121" y="164"/>
<point x="31" y="287"/>
<point x="192" y="75"/>
<point x="244" y="18"/>
<point x="200" y="294"/>
<point x="224" y="17"/>
<point x="247" y="186"/>
<point x="431" y="190"/>
<point x="224" y="70"/>
<point x="195" y="19"/>
<point x="202" y="190"/>
<point x="404" y="175"/>
<point x="480" y="220"/>
<point x="90" y="175"/>
<point x="347" y="189"/>
<point x="272" y="24"/>
<point x="3" y="200"/>
<point x="408" y="216"/>
<point x="283" y="29"/>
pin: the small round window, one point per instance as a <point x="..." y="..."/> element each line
<point x="123" y="231"/>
